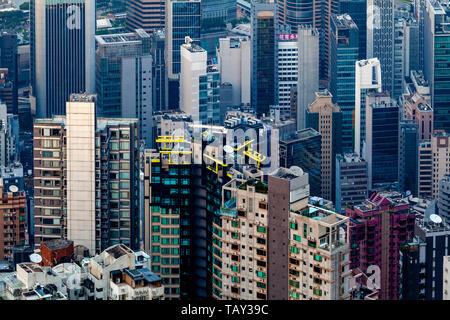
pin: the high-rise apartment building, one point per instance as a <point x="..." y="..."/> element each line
<point x="367" y="79"/>
<point x="215" y="9"/>
<point x="344" y="52"/>
<point x="351" y="181"/>
<point x="308" y="71"/>
<point x="124" y="80"/>
<point x="380" y="148"/>
<point x="264" y="57"/>
<point x="436" y="68"/>
<point x="425" y="170"/>
<point x="380" y="39"/>
<point x="418" y="109"/>
<point x="62" y="53"/>
<point x="199" y="85"/>
<point x="377" y="230"/>
<point x="12" y="226"/>
<point x="326" y="118"/>
<point x="148" y="15"/>
<point x="86" y="178"/>
<point x="233" y="57"/>
<point x="440" y="150"/>
<point x="159" y="71"/>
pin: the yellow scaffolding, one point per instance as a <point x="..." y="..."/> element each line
<point x="255" y="155"/>
<point x="169" y="139"/>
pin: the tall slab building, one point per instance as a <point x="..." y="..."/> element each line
<point x="62" y="53"/>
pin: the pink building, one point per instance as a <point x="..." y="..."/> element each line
<point x="378" y="228"/>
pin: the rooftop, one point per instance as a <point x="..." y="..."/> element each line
<point x="118" y="250"/>
<point x="57" y="244"/>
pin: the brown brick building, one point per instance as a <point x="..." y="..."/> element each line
<point x="12" y="221"/>
<point x="56" y="251"/>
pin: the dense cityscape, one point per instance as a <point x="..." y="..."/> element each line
<point x="224" y="150"/>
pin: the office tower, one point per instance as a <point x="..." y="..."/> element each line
<point x="367" y="79"/>
<point x="308" y="71"/>
<point x="377" y="230"/>
<point x="380" y="39"/>
<point x="400" y="52"/>
<point x="416" y="108"/>
<point x="380" y="148"/>
<point x="9" y="58"/>
<point x="124" y="80"/>
<point x="357" y="10"/>
<point x="351" y="181"/>
<point x="316" y="13"/>
<point x="62" y="53"/>
<point x="436" y="68"/>
<point x="408" y="156"/>
<point x="199" y="85"/>
<point x="159" y="71"/>
<point x="422" y="260"/>
<point x="287" y="71"/>
<point x="7" y="88"/>
<point x="233" y="56"/>
<point x="148" y="15"/>
<point x="86" y="178"/>
<point x="444" y="197"/>
<point x="440" y="148"/>
<point x="264" y="57"/>
<point x="182" y="20"/>
<point x="344" y="52"/>
<point x="425" y="170"/>
<point x="9" y="137"/>
<point x="12" y="226"/>
<point x="217" y="9"/>
<point x="412" y="53"/>
<point x="304" y="150"/>
<point x="326" y="118"/>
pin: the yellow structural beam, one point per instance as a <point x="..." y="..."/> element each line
<point x="243" y="145"/>
<point x="258" y="157"/>
<point x="217" y="163"/>
<point x="169" y="139"/>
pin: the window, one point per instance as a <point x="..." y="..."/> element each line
<point x="297" y="238"/>
<point x="294" y="249"/>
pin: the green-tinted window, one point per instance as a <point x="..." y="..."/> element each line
<point x="297" y="238"/>
<point x="293" y="225"/>
<point x="261" y="229"/>
<point x="261" y="274"/>
<point x="235" y="268"/>
<point x="294" y="249"/>
<point x="317" y="258"/>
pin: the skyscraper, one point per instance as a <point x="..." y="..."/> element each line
<point x="437" y="54"/>
<point x="380" y="38"/>
<point x="62" y="53"/>
<point x="344" y="52"/>
<point x="9" y="59"/>
<point x="86" y="178"/>
<point x="380" y="148"/>
<point x="326" y="117"/>
<point x="199" y="85"/>
<point x="148" y="15"/>
<point x="182" y="20"/>
<point x="317" y="14"/>
<point x="308" y="71"/>
<point x="264" y="57"/>
<point x="367" y="79"/>
<point x="124" y="79"/>
<point x="357" y="9"/>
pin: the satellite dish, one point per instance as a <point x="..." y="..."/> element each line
<point x="408" y="193"/>
<point x="435" y="218"/>
<point x="297" y="170"/>
<point x="228" y="149"/>
<point x="35" y="258"/>
<point x="13" y="188"/>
